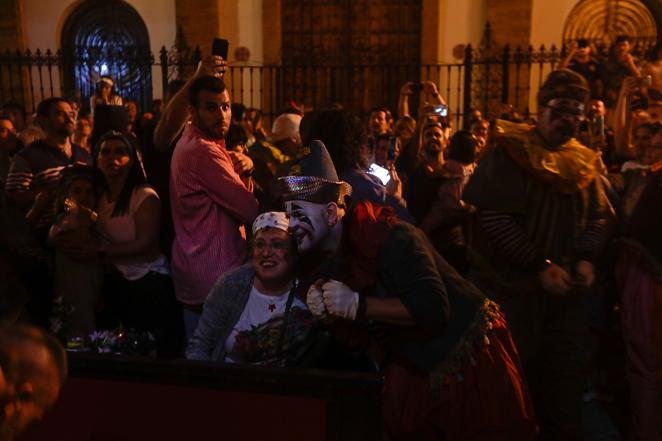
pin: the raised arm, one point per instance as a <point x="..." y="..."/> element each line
<point x="176" y="112"/>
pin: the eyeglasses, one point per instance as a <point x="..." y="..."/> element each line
<point x="277" y="245"/>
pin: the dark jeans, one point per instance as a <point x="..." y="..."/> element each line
<point x="551" y="334"/>
<point x="146" y="304"/>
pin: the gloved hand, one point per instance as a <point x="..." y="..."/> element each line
<point x="315" y="301"/>
<point x="340" y="300"/>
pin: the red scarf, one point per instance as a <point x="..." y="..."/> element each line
<point x="368" y="228"/>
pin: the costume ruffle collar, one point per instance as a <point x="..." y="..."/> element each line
<point x="570" y="168"/>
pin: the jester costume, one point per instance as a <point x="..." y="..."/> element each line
<point x="454" y="374"/>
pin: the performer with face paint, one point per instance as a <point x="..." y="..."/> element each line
<point x="448" y="357"/>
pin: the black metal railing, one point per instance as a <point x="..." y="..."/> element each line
<point x="485" y="79"/>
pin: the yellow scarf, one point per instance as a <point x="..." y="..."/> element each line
<point x="570" y="168"/>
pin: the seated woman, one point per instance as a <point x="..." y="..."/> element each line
<point x="137" y="290"/>
<point x="251" y="314"/>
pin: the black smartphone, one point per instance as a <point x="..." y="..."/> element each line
<point x="220" y="47"/>
<point x="416" y="87"/>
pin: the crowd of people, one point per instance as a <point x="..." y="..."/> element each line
<point x="477" y="267"/>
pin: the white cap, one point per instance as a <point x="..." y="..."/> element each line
<point x="286" y="126"/>
<point x="271" y="219"/>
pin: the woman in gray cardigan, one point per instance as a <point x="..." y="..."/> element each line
<point x="251" y="314"/>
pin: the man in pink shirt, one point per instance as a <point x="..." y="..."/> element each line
<point x="211" y="193"/>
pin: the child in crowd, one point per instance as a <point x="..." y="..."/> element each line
<point x="77" y="283"/>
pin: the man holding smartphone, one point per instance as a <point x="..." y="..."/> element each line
<point x="211" y="189"/>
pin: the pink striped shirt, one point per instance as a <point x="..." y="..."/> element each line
<point x="210" y="204"/>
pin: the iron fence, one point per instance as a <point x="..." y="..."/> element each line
<point x="484" y="79"/>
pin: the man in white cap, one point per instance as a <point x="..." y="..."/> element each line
<point x="285" y="133"/>
<point x="247" y="307"/>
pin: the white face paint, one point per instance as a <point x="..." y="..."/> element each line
<point x="308" y="223"/>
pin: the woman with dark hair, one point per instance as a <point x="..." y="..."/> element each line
<point x="137" y="291"/>
<point x="346" y="139"/>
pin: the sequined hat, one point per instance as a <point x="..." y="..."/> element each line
<point x="318" y="181"/>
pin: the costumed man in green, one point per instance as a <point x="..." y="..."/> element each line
<point x="542" y="215"/>
<point x="451" y="368"/>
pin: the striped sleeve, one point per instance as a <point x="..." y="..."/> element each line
<point x="20" y="175"/>
<point x="509" y="238"/>
<point x="591" y="240"/>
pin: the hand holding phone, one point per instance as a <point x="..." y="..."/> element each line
<point x="220" y="47"/>
<point x="383" y="174"/>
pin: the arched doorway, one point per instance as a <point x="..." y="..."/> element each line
<point x="601" y="21"/>
<point x="106" y="37"/>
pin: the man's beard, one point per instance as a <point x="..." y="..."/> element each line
<point x="213" y="132"/>
<point x="433" y="148"/>
<point x="64" y="131"/>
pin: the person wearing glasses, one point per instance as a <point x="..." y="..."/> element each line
<point x="251" y="314"/>
<point x="542" y="216"/>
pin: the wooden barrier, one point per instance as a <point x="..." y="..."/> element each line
<point x="113" y="398"/>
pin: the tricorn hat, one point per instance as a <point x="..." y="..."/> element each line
<point x="318" y="181"/>
<point x="563" y="83"/>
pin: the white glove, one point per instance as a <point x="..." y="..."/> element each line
<point x="315" y="301"/>
<point x="340" y="300"/>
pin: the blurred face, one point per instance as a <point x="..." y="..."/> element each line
<point x="16" y="117"/>
<point x="83" y="127"/>
<point x="247" y="121"/>
<point x="481" y="130"/>
<point x="7" y="131"/>
<point x="381" y="152"/>
<point x="272" y="255"/>
<point x="82" y="192"/>
<point x="433" y="140"/>
<point x="597" y="108"/>
<point x="60" y="120"/>
<point x="378" y="122"/>
<point x="309" y="223"/>
<point x="213" y="113"/>
<point x="114" y="159"/>
<point x="583" y="53"/>
<point x="622" y="48"/>
<point x="31" y="399"/>
<point x="105" y="90"/>
<point x="559" y="120"/>
<point x="642" y="139"/>
<point x="475" y="115"/>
